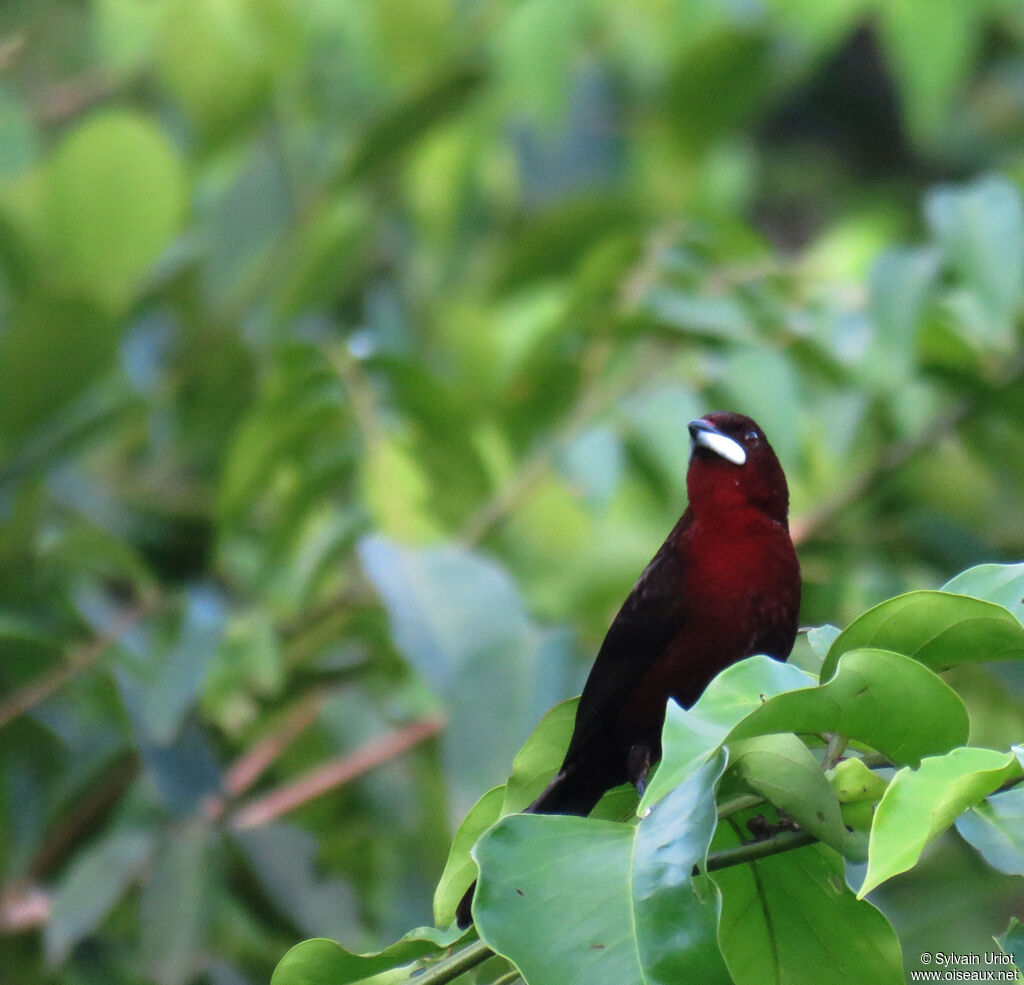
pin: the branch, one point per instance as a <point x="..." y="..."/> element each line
<point x="750" y="851"/>
<point x="895" y="457"/>
<point x="248" y="768"/>
<point x="80" y="658"/>
<point x="456" y="964"/>
<point x="891" y="461"/>
<point x="333" y="774"/>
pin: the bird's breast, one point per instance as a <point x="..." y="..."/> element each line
<point x="740" y="591"/>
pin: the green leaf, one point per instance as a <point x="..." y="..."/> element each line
<point x="883" y="699"/>
<point x="97" y="878"/>
<point x="459" y="620"/>
<point x="912" y="31"/>
<point x="938" y="629"/>
<point x="397" y="130"/>
<point x="783" y="770"/>
<point x="854" y="782"/>
<point x="534" y="866"/>
<point x="171" y="692"/>
<point x="712" y="319"/>
<point x="636" y="916"/>
<point x="995" y="827"/>
<point x="50" y="351"/>
<point x="111" y="198"/>
<point x="821" y="639"/>
<point x="283" y="859"/>
<point x="676" y="913"/>
<point x="690" y="737"/>
<point x="460" y="869"/>
<point x="790" y="919"/>
<point x="173" y="911"/>
<point x="216" y="60"/>
<point x="325" y="962"/>
<point x="980" y="228"/>
<point x="540" y="756"/>
<point x="532" y="769"/>
<point x="18" y="137"/>
<point x="1012" y="942"/>
<point x="395" y="491"/>
<point x="899" y="286"/>
<point x="999" y="583"/>
<point x="920" y="804"/>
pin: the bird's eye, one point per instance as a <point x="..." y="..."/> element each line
<point x="752" y="437"/>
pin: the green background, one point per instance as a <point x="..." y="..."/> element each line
<point x="346" y="351"/>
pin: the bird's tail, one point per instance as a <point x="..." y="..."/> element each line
<point x="570" y="792"/>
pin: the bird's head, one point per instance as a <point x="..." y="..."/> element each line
<point x="732" y="464"/>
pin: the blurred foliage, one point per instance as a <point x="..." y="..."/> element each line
<point x="346" y="352"/>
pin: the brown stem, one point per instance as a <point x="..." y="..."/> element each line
<point x="80" y="658"/>
<point x="333" y="774"/>
<point x="248" y="768"/>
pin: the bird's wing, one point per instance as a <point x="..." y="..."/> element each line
<point x="651" y="616"/>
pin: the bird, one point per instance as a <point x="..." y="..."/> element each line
<point x="724" y="585"/>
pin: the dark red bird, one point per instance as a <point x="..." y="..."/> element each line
<point x="724" y="585"/>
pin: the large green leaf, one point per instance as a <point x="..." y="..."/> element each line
<point x="460" y="869"/>
<point x="888" y="701"/>
<point x="939" y="629"/>
<point x="920" y="804"/>
<point x="995" y="827"/>
<point x="912" y="30"/>
<point x="111" y="198"/>
<point x="459" y="620"/>
<point x="324" y="962"/>
<point x="999" y="583"/>
<point x="572" y="899"/>
<point x="689" y="737"/>
<point x="790" y="919"/>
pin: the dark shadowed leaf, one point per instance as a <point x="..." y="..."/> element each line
<point x="790" y="919"/>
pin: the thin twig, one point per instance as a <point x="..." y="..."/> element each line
<point x="750" y="851"/>
<point x="83" y="815"/>
<point x="248" y="768"/>
<point x="593" y="403"/>
<point x="456" y="964"/>
<point x="744" y="802"/>
<point x="894" y="458"/>
<point x="333" y="774"/>
<point x="79" y="659"/>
